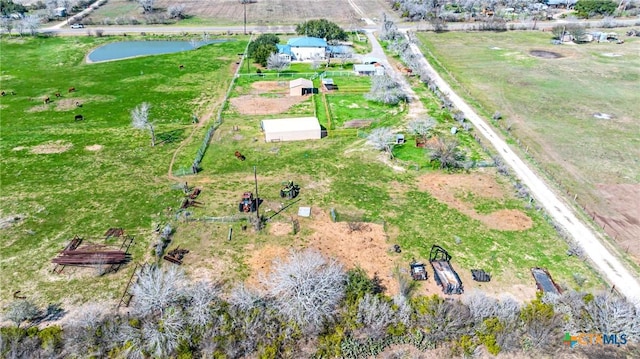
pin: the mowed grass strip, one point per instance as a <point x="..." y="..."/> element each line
<point x="106" y="174"/>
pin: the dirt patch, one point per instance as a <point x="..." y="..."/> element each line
<point x="67" y="104"/>
<point x="545" y="54"/>
<point x="260" y="262"/>
<point x="19" y="148"/>
<point x="51" y="147"/>
<point x="93" y="148"/>
<point x="270" y="86"/>
<point x="258" y="105"/>
<point x="620" y="215"/>
<point x="9" y="221"/>
<point x="39" y="108"/>
<point x="365" y="247"/>
<point x="452" y="189"/>
<point x="280" y="228"/>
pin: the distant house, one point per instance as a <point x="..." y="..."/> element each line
<point x="304" y="48"/>
<point x="339" y="51"/>
<point x="569" y="4"/>
<point x="369" y="70"/>
<point x="300" y="87"/>
<point x="291" y="129"/>
<point x="60" y="12"/>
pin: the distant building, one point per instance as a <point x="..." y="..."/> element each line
<point x="291" y="129"/>
<point x="304" y="48"/>
<point x="60" y="12"/>
<point x="369" y="70"/>
<point x="300" y="87"/>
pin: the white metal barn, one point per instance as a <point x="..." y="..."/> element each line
<point x="300" y="87"/>
<point x="291" y="129"/>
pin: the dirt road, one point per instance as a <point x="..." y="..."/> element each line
<point x="606" y="263"/>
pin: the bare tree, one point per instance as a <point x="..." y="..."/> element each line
<point x="446" y="152"/>
<point x="613" y="314"/>
<point x="20" y="311"/>
<point x="176" y="11"/>
<point x="244" y="298"/>
<point x="421" y="127"/>
<point x="385" y="90"/>
<point x="375" y="315"/>
<point x="156" y="289"/>
<point x="307" y="288"/>
<point x="481" y="306"/>
<point x="31" y="23"/>
<point x="6" y="24"/>
<point x="140" y="120"/>
<point x="147" y="5"/>
<point x="277" y="62"/>
<point x="382" y="139"/>
<point x="202" y="296"/>
<point x="161" y="336"/>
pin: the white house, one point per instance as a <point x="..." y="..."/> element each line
<point x="304" y="48"/>
<point x="371" y="69"/>
<point x="291" y="129"/>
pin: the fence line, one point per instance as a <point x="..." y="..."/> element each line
<point x="309" y="75"/>
<point x="195" y="167"/>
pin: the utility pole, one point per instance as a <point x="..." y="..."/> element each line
<point x="244" y="5"/>
<point x="255" y="178"/>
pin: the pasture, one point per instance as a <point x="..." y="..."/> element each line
<point x="576" y="112"/>
<point x="67" y="178"/>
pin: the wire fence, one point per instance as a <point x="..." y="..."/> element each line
<point x="195" y="166"/>
<point x="309" y="75"/>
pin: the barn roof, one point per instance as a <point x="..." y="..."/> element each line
<point x="284" y="49"/>
<point x="307" y="42"/>
<point x="291" y="124"/>
<point x="301" y="82"/>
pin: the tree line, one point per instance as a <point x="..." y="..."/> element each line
<point x="310" y="306"/>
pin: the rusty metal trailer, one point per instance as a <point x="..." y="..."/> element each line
<point x="444" y="274"/>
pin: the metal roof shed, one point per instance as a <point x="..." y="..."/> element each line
<point x="291" y="129"/>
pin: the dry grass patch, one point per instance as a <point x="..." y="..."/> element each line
<point x="51" y="147"/>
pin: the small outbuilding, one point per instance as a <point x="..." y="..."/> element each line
<point x="301" y="87"/>
<point x="291" y="129"/>
<point x="369" y="70"/>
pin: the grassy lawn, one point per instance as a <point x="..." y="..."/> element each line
<point x="124" y="183"/>
<point x="552" y="107"/>
<point x="83" y="191"/>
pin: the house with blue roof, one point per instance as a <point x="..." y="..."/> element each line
<point x="303" y="48"/>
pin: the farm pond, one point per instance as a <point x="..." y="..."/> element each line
<point x="127" y="49"/>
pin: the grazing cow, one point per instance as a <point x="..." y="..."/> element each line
<point x="47" y="100"/>
<point x="79" y="118"/>
<point x="72" y="89"/>
<point x="58" y="94"/>
<point x="181" y="67"/>
<point x="2" y="93"/>
<point x="240" y="156"/>
<point x="13" y="92"/>
<point x="78" y="104"/>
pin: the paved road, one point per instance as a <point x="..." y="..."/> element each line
<point x="605" y="262"/>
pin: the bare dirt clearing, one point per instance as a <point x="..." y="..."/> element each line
<point x="93" y="148"/>
<point x="623" y="221"/>
<point x="51" y="147"/>
<point x="452" y="188"/>
<point x="279" y="12"/>
<point x="258" y="105"/>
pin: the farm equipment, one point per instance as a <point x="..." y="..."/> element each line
<point x="479" y="275"/>
<point x="443" y="272"/>
<point x="289" y="190"/>
<point x="176" y="255"/>
<point x="248" y="203"/>
<point x="418" y="271"/>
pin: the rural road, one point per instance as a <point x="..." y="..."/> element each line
<point x="605" y="262"/>
<point x="416" y="107"/>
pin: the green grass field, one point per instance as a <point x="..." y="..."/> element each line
<point x="85" y="192"/>
<point x="125" y="184"/>
<point x="551" y="105"/>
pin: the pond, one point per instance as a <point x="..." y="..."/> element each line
<point x="127" y="49"/>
